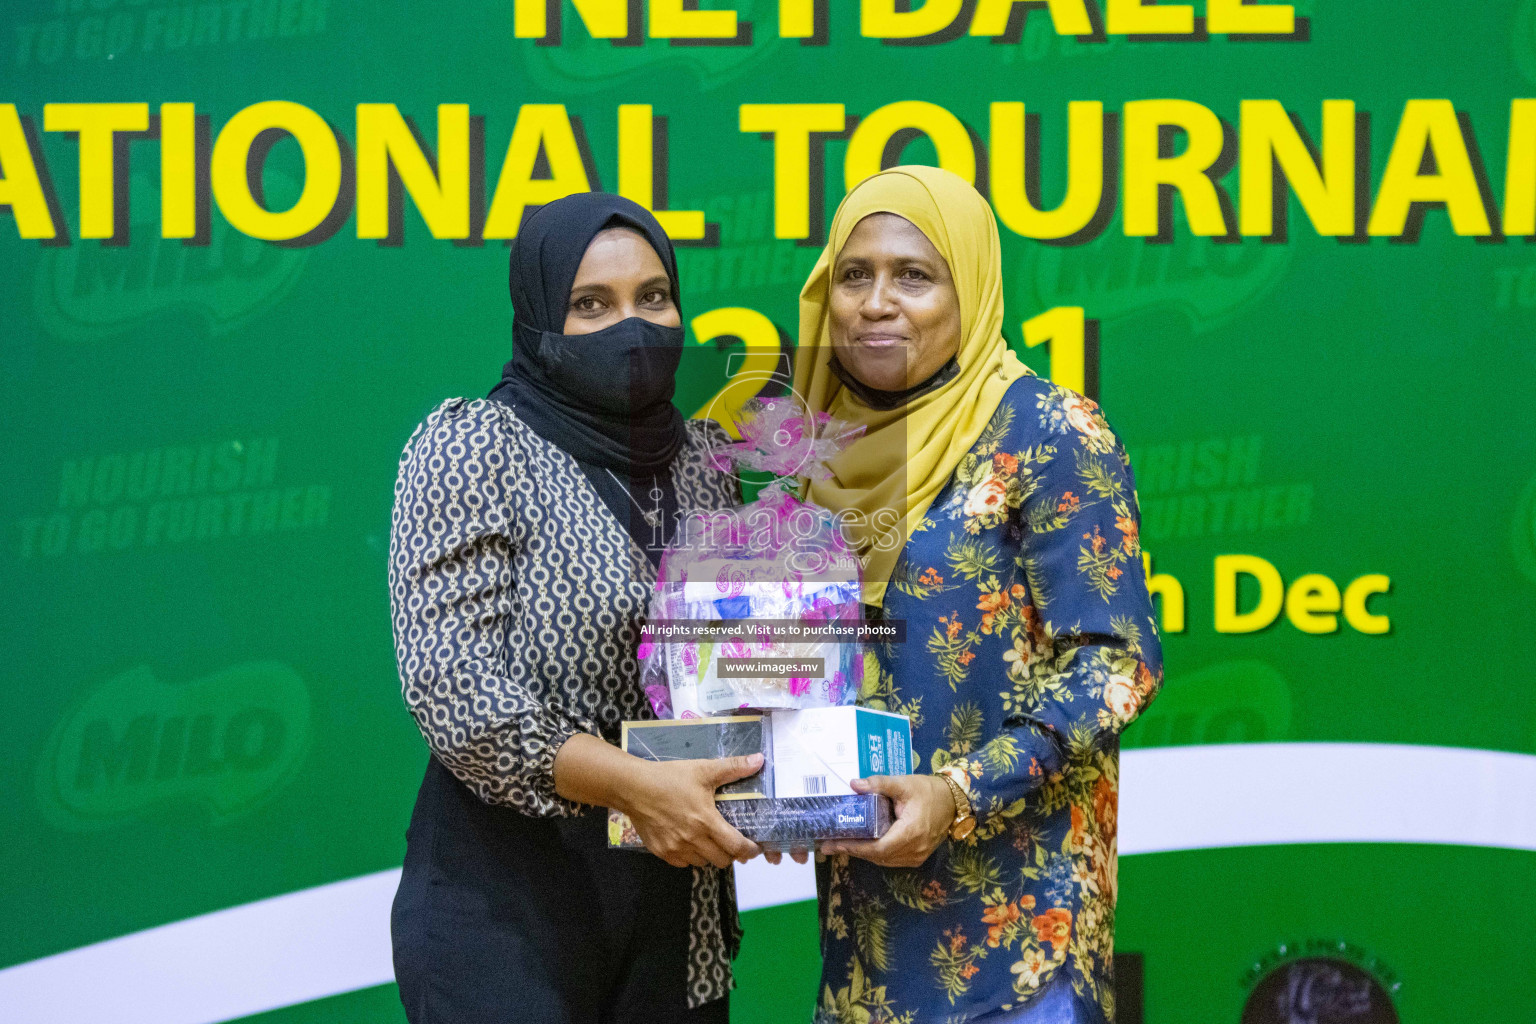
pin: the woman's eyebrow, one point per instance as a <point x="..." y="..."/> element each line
<point x="659" y="281"/>
<point x="590" y="287"/>
<point x="899" y="258"/>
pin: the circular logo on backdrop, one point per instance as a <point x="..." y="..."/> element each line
<point x="1319" y="990"/>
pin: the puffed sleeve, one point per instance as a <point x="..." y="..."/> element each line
<point x="1086" y="657"/>
<point x="455" y="610"/>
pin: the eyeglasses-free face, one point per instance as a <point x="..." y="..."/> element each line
<point x="894" y="313"/>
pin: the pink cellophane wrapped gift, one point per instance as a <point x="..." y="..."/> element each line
<point x="778" y="562"/>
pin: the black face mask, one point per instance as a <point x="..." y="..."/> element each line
<point x="881" y="401"/>
<point x="628" y="368"/>
<point x="604" y="398"/>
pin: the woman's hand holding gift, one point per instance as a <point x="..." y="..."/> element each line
<point x="672" y="806"/>
<point x="925" y="811"/>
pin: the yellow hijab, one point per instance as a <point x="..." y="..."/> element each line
<point x="907" y="454"/>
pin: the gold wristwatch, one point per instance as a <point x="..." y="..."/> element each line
<point x="965" y="821"/>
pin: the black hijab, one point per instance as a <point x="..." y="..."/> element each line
<point x="611" y="407"/>
<point x="604" y="398"/>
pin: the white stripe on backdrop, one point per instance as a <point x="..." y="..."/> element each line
<point x="334" y="938"/>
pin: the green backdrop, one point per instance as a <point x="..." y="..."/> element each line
<point x="202" y="436"/>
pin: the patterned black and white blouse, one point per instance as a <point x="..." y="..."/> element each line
<point x="516" y="599"/>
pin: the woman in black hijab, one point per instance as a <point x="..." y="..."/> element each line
<point x="523" y="549"/>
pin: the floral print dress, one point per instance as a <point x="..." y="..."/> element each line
<point x="1030" y="644"/>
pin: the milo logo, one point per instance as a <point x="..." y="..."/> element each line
<point x="581" y="64"/>
<point x="1114" y="276"/>
<point x="1230" y="702"/>
<point x="88" y="290"/>
<point x="223" y="742"/>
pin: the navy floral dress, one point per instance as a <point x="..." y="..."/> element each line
<point x="1030" y="644"/>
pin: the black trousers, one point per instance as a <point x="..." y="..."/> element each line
<point x="502" y="918"/>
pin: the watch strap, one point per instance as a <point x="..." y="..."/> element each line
<point x="963" y="813"/>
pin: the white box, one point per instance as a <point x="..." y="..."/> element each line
<point x="820" y="751"/>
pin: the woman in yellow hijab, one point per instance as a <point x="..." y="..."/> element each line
<point x="996" y="517"/>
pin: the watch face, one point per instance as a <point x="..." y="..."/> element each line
<point x="963" y="828"/>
